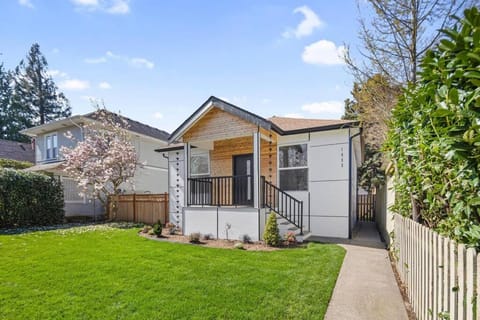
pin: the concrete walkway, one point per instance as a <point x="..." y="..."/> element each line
<point x="366" y="287"/>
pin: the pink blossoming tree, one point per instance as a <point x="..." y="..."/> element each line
<point x="105" y="160"/>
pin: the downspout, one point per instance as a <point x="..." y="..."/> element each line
<point x="78" y="126"/>
<point x="350" y="180"/>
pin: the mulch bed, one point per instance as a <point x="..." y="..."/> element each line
<point x="216" y="243"/>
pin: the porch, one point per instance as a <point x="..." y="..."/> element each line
<point x="230" y="176"/>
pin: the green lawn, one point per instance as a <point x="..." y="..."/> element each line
<point x="115" y="274"/>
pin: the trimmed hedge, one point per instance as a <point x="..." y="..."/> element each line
<point x="14" y="164"/>
<point x="29" y="199"/>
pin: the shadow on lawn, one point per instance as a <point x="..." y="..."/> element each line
<point x="66" y="226"/>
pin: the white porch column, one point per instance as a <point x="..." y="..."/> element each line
<point x="186" y="163"/>
<point x="256" y="171"/>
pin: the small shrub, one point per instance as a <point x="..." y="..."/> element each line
<point x="194" y="237"/>
<point x="239" y="245"/>
<point x="146" y="229"/>
<point x="157" y="229"/>
<point x="271" y="234"/>
<point x="207" y="236"/>
<point x="171" y="227"/>
<point x="290" y="238"/>
<point x="246" y="238"/>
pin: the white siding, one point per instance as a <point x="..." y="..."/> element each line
<point x="326" y="202"/>
<point x="213" y="221"/>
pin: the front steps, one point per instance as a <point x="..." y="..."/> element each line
<point x="284" y="226"/>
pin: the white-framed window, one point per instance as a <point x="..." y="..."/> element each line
<point x="51" y="146"/>
<point x="200" y="164"/>
<point x="293" y="167"/>
<point x="71" y="192"/>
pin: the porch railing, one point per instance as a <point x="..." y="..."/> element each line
<point x="283" y="204"/>
<point x="221" y="191"/>
<point x="238" y="191"/>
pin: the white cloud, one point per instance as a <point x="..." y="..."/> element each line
<point x="86" y="2"/>
<point x="306" y="27"/>
<point x="142" y="62"/>
<point x="158" y="115"/>
<point x="55" y="51"/>
<point x="108" y="6"/>
<point x="95" y="60"/>
<point x="109" y="55"/>
<point x="294" y="115"/>
<point x="26" y="3"/>
<point x="266" y="100"/>
<point x="74" y="84"/>
<point x="326" y="108"/>
<point x="104" y="85"/>
<point x="119" y="7"/>
<point x="323" y="52"/>
<point x="57" y="73"/>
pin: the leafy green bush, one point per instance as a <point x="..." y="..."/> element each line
<point x="157" y="229"/>
<point x="434" y="138"/>
<point x="271" y="234"/>
<point x="14" y="164"/>
<point x="29" y="199"/>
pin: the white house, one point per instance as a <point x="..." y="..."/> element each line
<point x="229" y="168"/>
<point x="151" y="177"/>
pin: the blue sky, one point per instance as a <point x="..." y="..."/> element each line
<point x="157" y="61"/>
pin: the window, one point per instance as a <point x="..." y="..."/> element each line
<point x="71" y="192"/>
<point x="200" y="164"/>
<point x="51" y="146"/>
<point x="293" y="167"/>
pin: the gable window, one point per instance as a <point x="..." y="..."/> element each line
<point x="200" y="164"/>
<point x="51" y="146"/>
<point x="293" y="167"/>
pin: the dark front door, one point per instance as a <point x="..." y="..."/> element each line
<point x="243" y="179"/>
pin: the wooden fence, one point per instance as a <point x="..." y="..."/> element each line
<point x="366" y="204"/>
<point x="442" y="277"/>
<point x="144" y="208"/>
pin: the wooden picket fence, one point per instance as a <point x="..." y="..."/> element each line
<point x="366" y="204"/>
<point x="144" y="208"/>
<point x="442" y="277"/>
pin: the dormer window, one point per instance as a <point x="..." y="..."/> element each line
<point x="51" y="146"/>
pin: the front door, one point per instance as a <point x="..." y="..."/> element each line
<point x="243" y="179"/>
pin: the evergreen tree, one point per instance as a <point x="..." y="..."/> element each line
<point x="36" y="99"/>
<point x="6" y="121"/>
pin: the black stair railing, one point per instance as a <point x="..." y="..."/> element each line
<point x="280" y="202"/>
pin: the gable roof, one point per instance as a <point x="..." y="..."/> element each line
<point x="224" y="106"/>
<point x="281" y="125"/>
<point x="16" y="150"/>
<point x="134" y="126"/>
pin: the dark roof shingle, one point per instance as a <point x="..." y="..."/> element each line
<point x="16" y="151"/>
<point x="138" y="127"/>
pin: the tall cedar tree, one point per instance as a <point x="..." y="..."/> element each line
<point x="8" y="124"/>
<point x="36" y="99"/>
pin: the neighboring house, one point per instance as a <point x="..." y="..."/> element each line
<point x="150" y="177"/>
<point x="228" y="168"/>
<point x="16" y="151"/>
